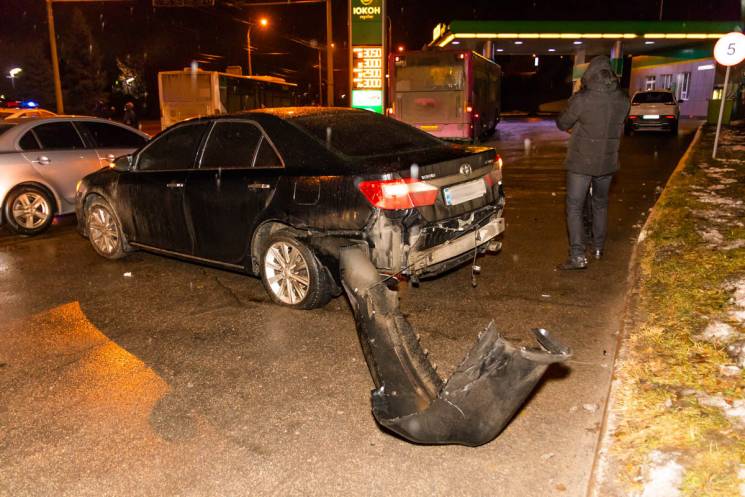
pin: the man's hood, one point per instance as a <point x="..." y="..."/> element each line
<point x="599" y="75"/>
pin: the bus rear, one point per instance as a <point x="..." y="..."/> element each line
<point x="429" y="90"/>
<point x="451" y="94"/>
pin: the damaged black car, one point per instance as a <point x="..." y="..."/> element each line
<point x="276" y="193"/>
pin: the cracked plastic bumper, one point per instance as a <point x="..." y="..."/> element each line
<point x="474" y="405"/>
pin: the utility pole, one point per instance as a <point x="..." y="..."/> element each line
<point x="53" y="46"/>
<point x="248" y="41"/>
<point x="329" y="57"/>
<point x="55" y="61"/>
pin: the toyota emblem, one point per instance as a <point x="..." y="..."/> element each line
<point x="465" y="169"/>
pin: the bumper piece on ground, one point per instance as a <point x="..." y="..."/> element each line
<point x="410" y="399"/>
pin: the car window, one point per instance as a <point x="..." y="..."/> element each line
<point x="267" y="157"/>
<point x="175" y="149"/>
<point x="231" y="145"/>
<point x="29" y="142"/>
<point x="654" y="97"/>
<point x="111" y="136"/>
<point x="58" y="136"/>
<point x="364" y="133"/>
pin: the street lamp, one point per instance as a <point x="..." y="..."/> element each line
<point x="263" y="22"/>
<point x="12" y="75"/>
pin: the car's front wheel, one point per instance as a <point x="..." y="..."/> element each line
<point x="29" y="210"/>
<point x="292" y="275"/>
<point x="104" y="231"/>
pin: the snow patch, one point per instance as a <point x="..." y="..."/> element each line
<point x="663" y="476"/>
<point x="734" y="410"/>
<point x="718" y="332"/>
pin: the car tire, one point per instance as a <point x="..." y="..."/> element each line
<point x="628" y="130"/>
<point x="29" y="210"/>
<point x="104" y="230"/>
<point x="292" y="275"/>
<point x="674" y="128"/>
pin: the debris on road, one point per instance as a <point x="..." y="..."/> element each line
<point x="471" y="407"/>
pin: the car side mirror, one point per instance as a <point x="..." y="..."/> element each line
<point x="123" y="163"/>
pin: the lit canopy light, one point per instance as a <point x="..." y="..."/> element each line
<point x="456" y="42"/>
<point x="577" y="42"/>
<point x="518" y="42"/>
<point x="500" y="50"/>
<point x="649" y="42"/>
<point x="706" y="67"/>
<point x="551" y="49"/>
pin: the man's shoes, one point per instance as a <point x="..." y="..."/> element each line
<point x="597" y="254"/>
<point x="572" y="263"/>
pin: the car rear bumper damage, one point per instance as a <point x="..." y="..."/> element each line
<point x="430" y="261"/>
<point x="410" y="399"/>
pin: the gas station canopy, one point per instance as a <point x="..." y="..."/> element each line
<point x="565" y="37"/>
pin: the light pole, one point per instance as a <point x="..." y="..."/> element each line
<point x="12" y="75"/>
<point x="263" y="22"/>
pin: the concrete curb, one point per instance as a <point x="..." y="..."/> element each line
<point x="609" y="422"/>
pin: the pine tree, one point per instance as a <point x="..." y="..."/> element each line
<point x="83" y="78"/>
<point x="35" y="82"/>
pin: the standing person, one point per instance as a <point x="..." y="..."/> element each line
<point x="595" y="116"/>
<point x="130" y="117"/>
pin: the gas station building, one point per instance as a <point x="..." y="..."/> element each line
<point x="675" y="55"/>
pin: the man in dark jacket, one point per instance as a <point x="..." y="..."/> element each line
<point x="595" y="116"/>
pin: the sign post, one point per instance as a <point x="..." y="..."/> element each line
<point x="367" y="64"/>
<point x="729" y="51"/>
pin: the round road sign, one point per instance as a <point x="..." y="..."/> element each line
<point x="730" y="49"/>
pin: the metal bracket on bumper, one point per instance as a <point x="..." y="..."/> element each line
<point x="410" y="399"/>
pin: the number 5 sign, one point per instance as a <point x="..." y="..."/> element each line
<point x="729" y="51"/>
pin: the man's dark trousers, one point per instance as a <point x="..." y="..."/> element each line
<point x="577" y="187"/>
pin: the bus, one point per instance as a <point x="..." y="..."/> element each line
<point x="453" y="94"/>
<point x="189" y="93"/>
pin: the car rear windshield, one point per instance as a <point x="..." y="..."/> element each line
<point x="361" y="134"/>
<point x="654" y="97"/>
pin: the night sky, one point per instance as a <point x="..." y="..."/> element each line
<point x="172" y="37"/>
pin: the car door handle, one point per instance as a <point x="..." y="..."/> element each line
<point x="43" y="160"/>
<point x="258" y="186"/>
<point x="175" y="184"/>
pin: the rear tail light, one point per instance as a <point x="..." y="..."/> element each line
<point x="669" y="117"/>
<point x="633" y="117"/>
<point x="395" y="194"/>
<point x="494" y="176"/>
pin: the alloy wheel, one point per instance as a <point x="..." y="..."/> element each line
<point x="286" y="272"/>
<point x="102" y="230"/>
<point x="31" y="210"/>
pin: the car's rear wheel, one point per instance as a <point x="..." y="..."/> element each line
<point x="674" y="128"/>
<point x="104" y="231"/>
<point x="292" y="274"/>
<point x="29" y="210"/>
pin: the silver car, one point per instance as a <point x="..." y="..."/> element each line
<point x="41" y="160"/>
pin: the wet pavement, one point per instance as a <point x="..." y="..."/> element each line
<point x="151" y="376"/>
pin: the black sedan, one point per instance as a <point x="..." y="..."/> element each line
<point x="276" y="193"/>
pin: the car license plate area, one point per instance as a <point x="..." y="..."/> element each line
<point x="651" y="116"/>
<point x="464" y="192"/>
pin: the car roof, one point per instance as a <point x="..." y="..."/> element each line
<point x="11" y="136"/>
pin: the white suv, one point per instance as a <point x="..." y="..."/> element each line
<point x="653" y="109"/>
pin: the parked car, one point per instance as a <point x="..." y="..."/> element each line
<point x="24" y="113"/>
<point x="42" y="160"/>
<point x="277" y="192"/>
<point x="653" y="109"/>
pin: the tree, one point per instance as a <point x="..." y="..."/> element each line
<point x="130" y="82"/>
<point x="35" y="82"/>
<point x="83" y="78"/>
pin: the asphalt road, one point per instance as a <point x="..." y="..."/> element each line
<point x="155" y="377"/>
